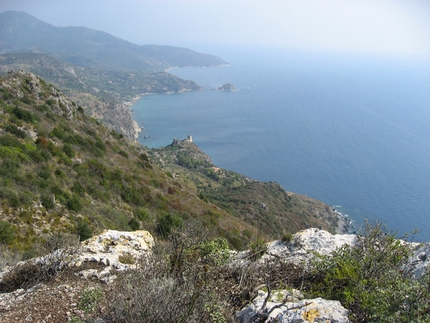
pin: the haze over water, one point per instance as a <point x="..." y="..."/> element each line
<point x="350" y="132"/>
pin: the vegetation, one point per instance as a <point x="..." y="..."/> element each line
<point x="62" y="171"/>
<point x="264" y="205"/>
<point x="368" y="279"/>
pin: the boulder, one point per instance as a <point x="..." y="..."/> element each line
<point x="307" y="310"/>
<point x="113" y="249"/>
<point x="302" y="247"/>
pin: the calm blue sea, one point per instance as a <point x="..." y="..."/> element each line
<point x="351" y="131"/>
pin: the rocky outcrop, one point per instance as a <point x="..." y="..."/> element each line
<point x="302" y="247"/>
<point x="308" y="310"/>
<point x="419" y="262"/>
<point x="114" y="250"/>
<point x="105" y="254"/>
<point x="23" y="84"/>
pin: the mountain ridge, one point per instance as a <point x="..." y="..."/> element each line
<point x="84" y="46"/>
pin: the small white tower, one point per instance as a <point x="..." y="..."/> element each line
<point x="190" y="138"/>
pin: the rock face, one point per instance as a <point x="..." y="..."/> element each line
<point x="311" y="310"/>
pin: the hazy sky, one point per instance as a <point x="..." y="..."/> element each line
<point x="394" y="27"/>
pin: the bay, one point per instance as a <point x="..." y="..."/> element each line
<point x="350" y="131"/>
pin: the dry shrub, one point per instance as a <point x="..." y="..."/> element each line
<point x="56" y="251"/>
<point x="154" y="293"/>
<point x="177" y="284"/>
<point x="9" y="257"/>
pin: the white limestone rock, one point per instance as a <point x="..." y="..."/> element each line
<point x="307" y="310"/>
<point x="302" y="247"/>
<point x="109" y="247"/>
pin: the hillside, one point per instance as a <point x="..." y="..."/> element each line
<point x="64" y="171"/>
<point x="104" y="94"/>
<point x="267" y="206"/>
<point x="21" y="32"/>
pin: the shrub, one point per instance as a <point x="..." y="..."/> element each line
<point x="55" y="249"/>
<point x="287" y="237"/>
<point x="69" y="151"/>
<point x="126" y="258"/>
<point x="15" y="130"/>
<point x="84" y="231"/>
<point x="367" y="279"/>
<point x="257" y="248"/>
<point x="74" y="204"/>
<point x="134" y="224"/>
<point x="142" y="214"/>
<point x="8" y="257"/>
<point x="47" y="201"/>
<point x="144" y="156"/>
<point x="155" y="293"/>
<point x="89" y="299"/>
<point x="215" y="251"/>
<point x="22" y="114"/>
<point x="7" y="232"/>
<point x="167" y="222"/>
<point x="10" y="141"/>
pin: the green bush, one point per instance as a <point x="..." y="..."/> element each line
<point x="134" y="224"/>
<point x="141" y="213"/>
<point x="167" y="222"/>
<point x="7" y="232"/>
<point x="15" y="130"/>
<point x="10" y="141"/>
<point x="368" y="280"/>
<point x="257" y="248"/>
<point x="215" y="251"/>
<point x="74" y="204"/>
<point x="69" y="151"/>
<point x="83" y="230"/>
<point x="47" y="201"/>
<point x="89" y="299"/>
<point x="22" y="114"/>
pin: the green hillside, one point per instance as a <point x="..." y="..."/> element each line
<point x="61" y="170"/>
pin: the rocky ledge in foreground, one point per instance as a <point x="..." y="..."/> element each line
<point x="93" y="266"/>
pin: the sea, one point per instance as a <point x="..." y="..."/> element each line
<point x="352" y="131"/>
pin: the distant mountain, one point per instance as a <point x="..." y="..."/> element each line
<point x="21" y="32"/>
